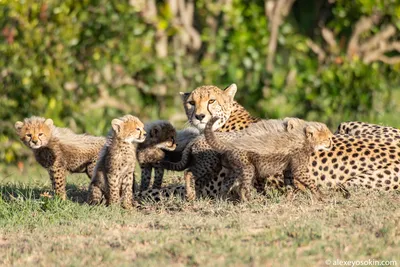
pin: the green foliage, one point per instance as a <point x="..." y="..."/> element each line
<point x="84" y="63"/>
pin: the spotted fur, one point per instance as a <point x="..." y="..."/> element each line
<point x="269" y="147"/>
<point x="59" y="150"/>
<point x="161" y="138"/>
<point x="362" y="128"/>
<point x="201" y="162"/>
<point x="114" y="173"/>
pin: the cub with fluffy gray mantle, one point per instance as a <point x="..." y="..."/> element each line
<point x="269" y="147"/>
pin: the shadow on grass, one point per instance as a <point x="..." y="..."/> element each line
<point x="12" y="191"/>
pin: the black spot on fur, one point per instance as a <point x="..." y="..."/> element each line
<point x="314" y="163"/>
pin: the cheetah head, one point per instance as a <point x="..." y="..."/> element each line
<point x="319" y="136"/>
<point x="206" y="102"/>
<point x="129" y="129"/>
<point x="35" y="132"/>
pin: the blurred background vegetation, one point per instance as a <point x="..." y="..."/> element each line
<point x="83" y="63"/>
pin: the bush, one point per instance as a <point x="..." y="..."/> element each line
<point x="84" y="63"/>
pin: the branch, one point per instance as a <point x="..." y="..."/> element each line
<point x="378" y="38"/>
<point x="281" y="8"/>
<point x="105" y="100"/>
<point x="378" y="54"/>
<point x="362" y="25"/>
<point x="317" y="50"/>
<point x="329" y="38"/>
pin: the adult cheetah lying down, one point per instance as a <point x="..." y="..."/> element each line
<point x="59" y="150"/>
<point x="201" y="162"/>
<point x="360" y="128"/>
<point x="270" y="146"/>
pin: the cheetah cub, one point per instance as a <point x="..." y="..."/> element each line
<point x="269" y="147"/>
<point x="114" y="173"/>
<point x="162" y="136"/>
<point x="59" y="150"/>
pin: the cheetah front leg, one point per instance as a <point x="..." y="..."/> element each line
<point x="145" y="177"/>
<point x="126" y="190"/>
<point x="301" y="175"/>
<point x="248" y="172"/>
<point x="158" y="177"/>
<point x="58" y="179"/>
<point x="113" y="194"/>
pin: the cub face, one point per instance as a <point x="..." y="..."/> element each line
<point x="319" y="135"/>
<point x="129" y="128"/>
<point x="206" y="102"/>
<point x="163" y="134"/>
<point x="34" y="132"/>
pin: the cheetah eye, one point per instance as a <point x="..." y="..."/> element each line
<point x="40" y="134"/>
<point x="29" y="135"/>
<point x="192" y="103"/>
<point x="211" y="101"/>
<point x="138" y="129"/>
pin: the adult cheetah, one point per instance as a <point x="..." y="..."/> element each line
<point x="359" y="128"/>
<point x="200" y="106"/>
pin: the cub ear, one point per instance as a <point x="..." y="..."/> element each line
<point x="184" y="96"/>
<point x="116" y="125"/>
<point x="309" y="131"/>
<point x="49" y="122"/>
<point x="230" y="91"/>
<point x="290" y="124"/>
<point x="18" y="126"/>
<point x="155" y="131"/>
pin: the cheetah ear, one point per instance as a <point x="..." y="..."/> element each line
<point x="184" y="96"/>
<point x="116" y="125"/>
<point x="309" y="131"/>
<point x="18" y="126"/>
<point x="290" y="124"/>
<point x="230" y="91"/>
<point x="49" y="122"/>
<point x="155" y="131"/>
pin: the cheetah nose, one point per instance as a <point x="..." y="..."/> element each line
<point x="145" y="134"/>
<point x="200" y="117"/>
<point x="34" y="141"/>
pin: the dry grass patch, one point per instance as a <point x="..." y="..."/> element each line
<point x="43" y="231"/>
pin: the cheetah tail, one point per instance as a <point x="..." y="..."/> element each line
<point x="183" y="163"/>
<point x="212" y="138"/>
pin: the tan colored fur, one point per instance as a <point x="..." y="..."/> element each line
<point x="114" y="173"/>
<point x="361" y="128"/>
<point x="270" y="147"/>
<point x="161" y="138"/>
<point x="202" y="162"/>
<point x="59" y="150"/>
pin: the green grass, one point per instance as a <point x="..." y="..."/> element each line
<point x="42" y="231"/>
